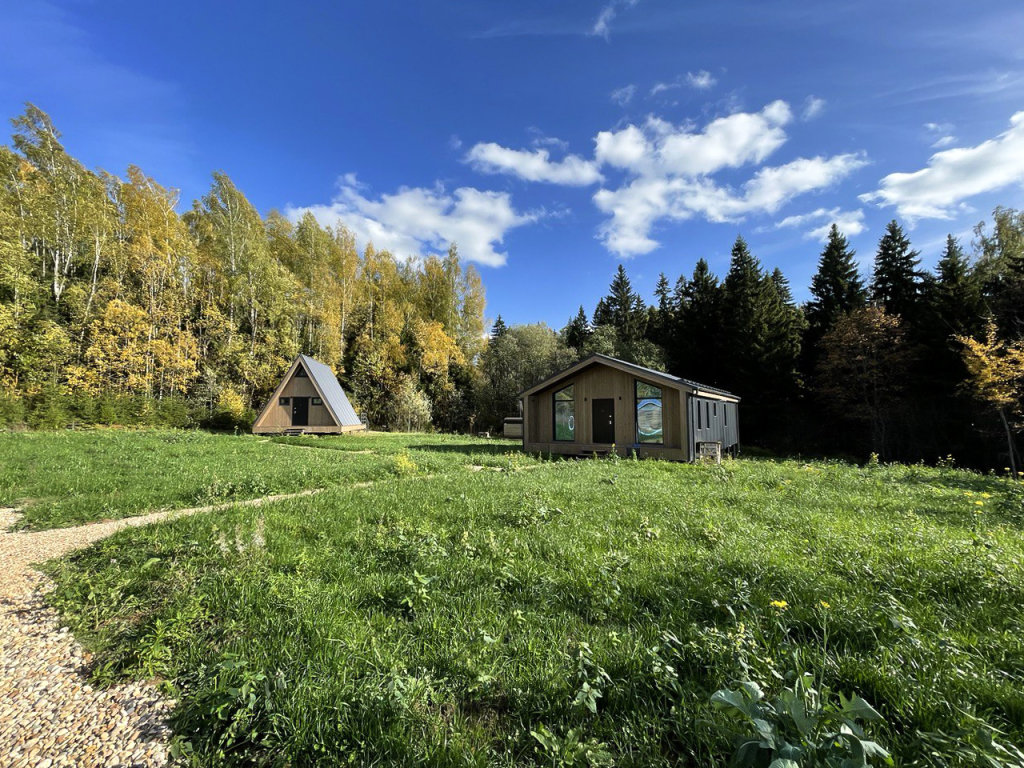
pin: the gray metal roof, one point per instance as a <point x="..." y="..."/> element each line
<point x="662" y="374"/>
<point x="597" y="357"/>
<point x="334" y="395"/>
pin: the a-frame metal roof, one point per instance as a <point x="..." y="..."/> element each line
<point x="327" y="386"/>
<point x="333" y="395"/>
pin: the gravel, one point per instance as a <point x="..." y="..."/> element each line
<point x="49" y="713"/>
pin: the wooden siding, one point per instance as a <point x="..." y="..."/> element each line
<point x="280" y="416"/>
<point x="602" y="381"/>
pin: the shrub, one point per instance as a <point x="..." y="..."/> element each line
<point x="12" y="411"/>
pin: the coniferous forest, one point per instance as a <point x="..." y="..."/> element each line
<point x="116" y="308"/>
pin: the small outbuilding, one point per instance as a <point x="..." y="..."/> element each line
<point x="601" y="403"/>
<point x="309" y="399"/>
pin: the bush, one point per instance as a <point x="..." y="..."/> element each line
<point x="12" y="411"/>
<point x="49" y="411"/>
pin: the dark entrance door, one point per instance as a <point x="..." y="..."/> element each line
<point x="300" y="411"/>
<point x="603" y="410"/>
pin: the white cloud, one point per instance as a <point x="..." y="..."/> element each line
<point x="415" y="221"/>
<point x="541" y="139"/>
<point x="813" y="106"/>
<point x="666" y="172"/>
<point x="702" y="80"/>
<point x="622" y="96"/>
<point x="943" y="133"/>
<point x="954" y="175"/>
<point x="537" y="165"/>
<point x="727" y="142"/>
<point x="672" y="169"/>
<point x="636" y="207"/>
<point x="850" y="223"/>
<point x="602" y="25"/>
<point x="772" y="187"/>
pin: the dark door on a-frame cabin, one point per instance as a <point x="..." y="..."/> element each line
<point x="603" y="410"/>
<point x="300" y="411"/>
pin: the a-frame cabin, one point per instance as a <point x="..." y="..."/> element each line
<point x="309" y="399"/>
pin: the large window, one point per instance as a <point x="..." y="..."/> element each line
<point x="565" y="414"/>
<point x="648" y="414"/>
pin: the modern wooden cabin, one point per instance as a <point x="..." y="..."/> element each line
<point x="601" y="403"/>
<point x="309" y="400"/>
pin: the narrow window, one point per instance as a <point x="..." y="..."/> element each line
<point x="565" y="414"/>
<point x="649" y="427"/>
<point x="699" y="424"/>
<point x="714" y="410"/>
<point x="284" y="401"/>
<point x="317" y="401"/>
<point x="725" y="414"/>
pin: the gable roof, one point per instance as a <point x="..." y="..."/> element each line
<point x="330" y="390"/>
<point x="326" y="384"/>
<point x="638" y="370"/>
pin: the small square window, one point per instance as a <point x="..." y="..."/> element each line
<point x="284" y="401"/>
<point x="317" y="401"/>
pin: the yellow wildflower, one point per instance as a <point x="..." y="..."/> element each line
<point x="780" y="604"/>
<point x="986" y="495"/>
<point x="824" y="604"/>
<point x="979" y="503"/>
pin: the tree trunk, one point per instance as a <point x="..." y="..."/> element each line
<point x="1009" y="444"/>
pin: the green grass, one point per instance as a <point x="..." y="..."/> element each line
<point x="70" y="478"/>
<point x="446" y="616"/>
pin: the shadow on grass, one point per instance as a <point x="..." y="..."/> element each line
<point x="496" y="449"/>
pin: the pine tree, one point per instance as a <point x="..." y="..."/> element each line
<point x="499" y="328"/>
<point x="698" y="329"/>
<point x="623" y="309"/>
<point x="661" y="316"/>
<point x="953" y="294"/>
<point x="576" y="332"/>
<point x="784" y="326"/>
<point x="896" y="282"/>
<point x="836" y="288"/>
<point x="743" y="323"/>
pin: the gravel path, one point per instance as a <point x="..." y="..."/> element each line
<point x="49" y="714"/>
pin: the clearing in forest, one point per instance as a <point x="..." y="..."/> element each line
<point x="581" y="613"/>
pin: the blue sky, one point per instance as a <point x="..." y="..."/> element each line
<point x="553" y="141"/>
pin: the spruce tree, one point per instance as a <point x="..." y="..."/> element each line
<point x="896" y="283"/>
<point x="499" y="328"/>
<point x="743" y="319"/>
<point x="624" y="309"/>
<point x="699" y="326"/>
<point x="836" y="288"/>
<point x="576" y="332"/>
<point x="784" y="327"/>
<point x="953" y="294"/>
<point x="660" y="317"/>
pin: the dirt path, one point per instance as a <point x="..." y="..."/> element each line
<point x="49" y="714"/>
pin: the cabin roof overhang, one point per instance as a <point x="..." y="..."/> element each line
<point x="639" y="371"/>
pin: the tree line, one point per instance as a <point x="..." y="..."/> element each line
<point x="907" y="363"/>
<point x="115" y="308"/>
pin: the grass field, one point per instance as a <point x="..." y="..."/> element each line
<point x="578" y="613"/>
<point x="71" y="478"/>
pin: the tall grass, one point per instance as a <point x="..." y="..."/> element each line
<point x="581" y="613"/>
<point x="70" y="478"/>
